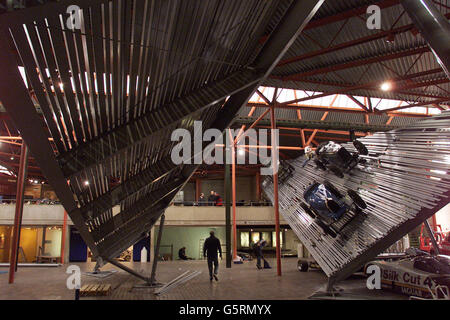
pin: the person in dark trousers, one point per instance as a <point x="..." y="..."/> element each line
<point x="259" y="254"/>
<point x="212" y="198"/>
<point x="210" y="248"/>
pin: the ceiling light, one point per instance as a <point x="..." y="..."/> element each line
<point x="386" y="86"/>
<point x="241" y="152"/>
<point x="35" y="181"/>
<point x="86" y="183"/>
<point x="12" y="158"/>
<point x="390" y="38"/>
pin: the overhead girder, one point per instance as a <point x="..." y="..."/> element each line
<point x="346" y="88"/>
<point x="314" y="124"/>
<point x="351" y="43"/>
<point x="356" y="63"/>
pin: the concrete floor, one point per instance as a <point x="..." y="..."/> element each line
<point x="241" y="282"/>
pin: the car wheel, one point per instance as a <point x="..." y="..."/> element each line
<point x="320" y="165"/>
<point x="361" y="147"/>
<point x="308" y="210"/>
<point x="338" y="172"/>
<point x="358" y="210"/>
<point x="332" y="189"/>
<point x="327" y="229"/>
<point x="357" y="199"/>
<point x="302" y="265"/>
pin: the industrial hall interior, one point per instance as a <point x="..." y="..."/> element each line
<point x="225" y="150"/>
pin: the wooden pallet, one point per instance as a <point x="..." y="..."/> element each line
<point x="92" y="290"/>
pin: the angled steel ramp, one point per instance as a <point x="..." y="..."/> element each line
<point x="101" y="101"/>
<point x="405" y="182"/>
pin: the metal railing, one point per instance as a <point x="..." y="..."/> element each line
<point x="214" y="204"/>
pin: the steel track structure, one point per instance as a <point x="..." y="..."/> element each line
<point x="111" y="92"/>
<point x="404" y="183"/>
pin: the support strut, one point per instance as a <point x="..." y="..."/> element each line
<point x="156" y="255"/>
<point x="432" y="238"/>
<point x="19" y="211"/>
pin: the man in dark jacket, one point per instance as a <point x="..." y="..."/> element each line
<point x="210" y="248"/>
<point x="259" y="254"/>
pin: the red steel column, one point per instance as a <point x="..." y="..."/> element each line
<point x="63" y="236"/>
<point x="233" y="192"/>
<point x="21" y="178"/>
<point x="275" y="190"/>
<point x="198" y="188"/>
<point x="258" y="185"/>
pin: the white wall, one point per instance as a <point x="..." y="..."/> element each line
<point x="215" y="216"/>
<point x="34" y="215"/>
<point x="443" y="218"/>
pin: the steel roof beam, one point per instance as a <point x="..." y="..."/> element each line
<point x="372" y="84"/>
<point x="383" y="4"/>
<point x="356" y="63"/>
<point x="352" y="43"/>
<point x="335" y="109"/>
<point x="313" y="124"/>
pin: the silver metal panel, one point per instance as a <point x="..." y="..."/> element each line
<point x="405" y="183"/>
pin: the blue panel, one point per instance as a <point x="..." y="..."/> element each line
<point x="78" y="248"/>
<point x="138" y="247"/>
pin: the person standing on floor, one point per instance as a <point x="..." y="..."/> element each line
<point x="259" y="254"/>
<point x="210" y="248"/>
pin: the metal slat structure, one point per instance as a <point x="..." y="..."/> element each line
<point x="111" y="92"/>
<point x="404" y="182"/>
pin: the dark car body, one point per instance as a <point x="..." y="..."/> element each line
<point x="317" y="196"/>
<point x="326" y="204"/>
<point x="333" y="153"/>
<point x="336" y="158"/>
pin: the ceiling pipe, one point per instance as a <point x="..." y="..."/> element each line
<point x="434" y="27"/>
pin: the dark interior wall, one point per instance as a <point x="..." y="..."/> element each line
<point x="189" y="191"/>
